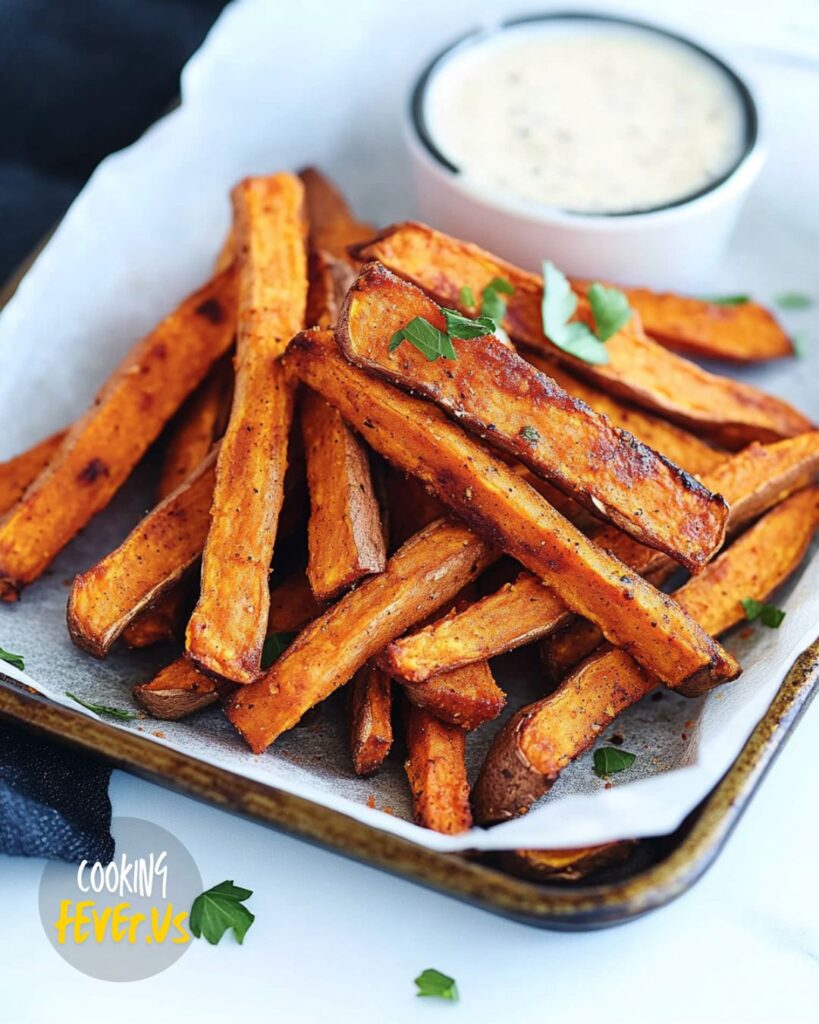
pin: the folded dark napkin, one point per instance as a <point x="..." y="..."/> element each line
<point x="78" y="80"/>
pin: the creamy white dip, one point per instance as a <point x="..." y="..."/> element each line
<point x="584" y="116"/>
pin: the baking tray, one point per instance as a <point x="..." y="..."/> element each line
<point x="657" y="872"/>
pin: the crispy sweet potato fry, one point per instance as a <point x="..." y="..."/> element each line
<point x="466" y="697"/>
<point x="436" y="769"/>
<point x="17" y="473"/>
<point x="490" y="496"/>
<point x="180" y="689"/>
<point x="744" y="332"/>
<point x="499" y="396"/>
<point x="345" y="540"/>
<point x="419" y="578"/>
<point x="176" y="692"/>
<point x="226" y="631"/>
<point x="566" y="865"/>
<point x="152" y="558"/>
<point x="200" y="421"/>
<point x="370" y="719"/>
<point x="752" y="481"/>
<point x="105" y="444"/>
<point x="640" y="370"/>
<point x="683" y="448"/>
<point x="332" y="225"/>
<point x="523" y="611"/>
<point x="539" y="741"/>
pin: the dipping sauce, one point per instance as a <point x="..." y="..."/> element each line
<point x="586" y="116"/>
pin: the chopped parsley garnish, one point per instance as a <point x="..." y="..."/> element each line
<point x="219" y="909"/>
<point x="768" y="614"/>
<point x="13" y="659"/>
<point x="429" y="341"/>
<point x="274" y="645"/>
<point x="609" y="307"/>
<point x="611" y="760"/>
<point x="800" y="344"/>
<point x="433" y="983"/>
<point x="726" y="300"/>
<point x="528" y="433"/>
<point x="103" y="709"/>
<point x="793" y="300"/>
<point x="467" y="297"/>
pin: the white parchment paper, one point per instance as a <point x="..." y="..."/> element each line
<point x="283" y="85"/>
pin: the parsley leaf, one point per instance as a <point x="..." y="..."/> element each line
<point x="103" y="709"/>
<point x="610" y="309"/>
<point x="429" y="341"/>
<point x="467" y="297"/>
<point x="493" y="304"/>
<point x="219" y="909"/>
<point x="726" y="300"/>
<point x="800" y="344"/>
<point x="529" y="433"/>
<point x="432" y="983"/>
<point x="559" y="305"/>
<point x="460" y="326"/>
<point x="768" y="614"/>
<point x="793" y="300"/>
<point x="13" y="659"/>
<point x="274" y="645"/>
<point x="610" y="760"/>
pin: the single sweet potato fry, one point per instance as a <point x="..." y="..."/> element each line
<point x="226" y="631"/>
<point x="419" y="578"/>
<point x="565" y="865"/>
<point x="105" y="444"/>
<point x="538" y="742"/>
<point x="180" y="688"/>
<point x="743" y="332"/>
<point x="198" y="424"/>
<point x="466" y="697"/>
<point x="17" y="473"/>
<point x="370" y="721"/>
<point x="683" y="448"/>
<point x="154" y="556"/>
<point x="523" y="611"/>
<point x="436" y="769"/>
<point x="517" y="614"/>
<point x="332" y="225"/>
<point x="726" y="411"/>
<point x="492" y="498"/>
<point x="176" y="692"/>
<point x="345" y="540"/>
<point x="502" y="398"/>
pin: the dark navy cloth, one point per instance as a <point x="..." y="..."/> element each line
<point x="78" y="79"/>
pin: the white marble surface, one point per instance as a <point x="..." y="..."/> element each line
<point x="335" y="941"/>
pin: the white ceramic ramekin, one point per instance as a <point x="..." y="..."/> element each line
<point x="677" y="246"/>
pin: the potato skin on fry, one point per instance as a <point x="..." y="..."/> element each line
<point x="151" y="559"/>
<point x="176" y="692"/>
<point x="726" y="411"/>
<point x="436" y="769"/>
<point x="344" y="537"/>
<point x="226" y="631"/>
<point x="17" y="473"/>
<point x="419" y="578"/>
<point x="496" y="394"/>
<point x="492" y="498"/>
<point x="681" y="447"/>
<point x="105" y="444"/>
<point x="537" y="743"/>
<point x="370" y="721"/>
